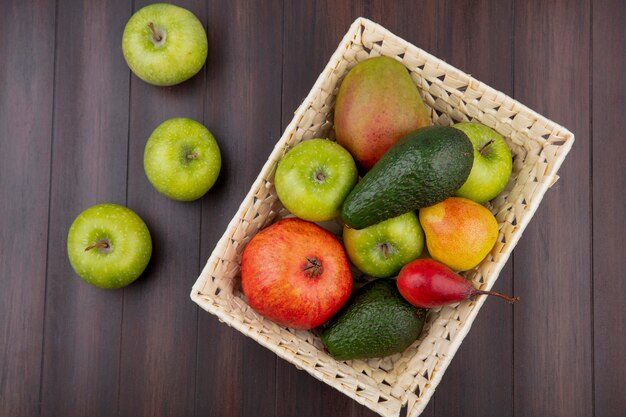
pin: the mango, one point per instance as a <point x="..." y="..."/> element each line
<point x="459" y="232"/>
<point x="377" y="104"/>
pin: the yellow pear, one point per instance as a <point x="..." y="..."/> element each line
<point x="459" y="232"/>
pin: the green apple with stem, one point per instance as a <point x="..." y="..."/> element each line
<point x="109" y="246"/>
<point x="492" y="163"/>
<point x="382" y="249"/>
<point x="164" y="44"/>
<point x="313" y="179"/>
<point x="182" y="159"/>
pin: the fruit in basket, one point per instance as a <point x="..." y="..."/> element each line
<point x="164" y="44"/>
<point x="426" y="283"/>
<point x="182" y="159"/>
<point x="109" y="246"/>
<point x="313" y="179"/>
<point x="382" y="249"/>
<point x="376" y="322"/>
<point x="459" y="232"/>
<point x="492" y="163"/>
<point x="377" y="104"/>
<point x="425" y="167"/>
<point x="296" y="274"/>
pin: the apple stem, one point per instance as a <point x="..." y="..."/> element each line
<point x="320" y="177"/>
<point x="482" y="149"/>
<point x="101" y="244"/>
<point x="192" y="155"/>
<point x="155" y="34"/>
<point x="385" y="249"/>
<point x="511" y="300"/>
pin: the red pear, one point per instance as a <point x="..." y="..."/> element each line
<point x="427" y="283"/>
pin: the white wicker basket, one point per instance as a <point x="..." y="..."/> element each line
<point x="385" y="385"/>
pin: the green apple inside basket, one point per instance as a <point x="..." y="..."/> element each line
<point x="409" y="378"/>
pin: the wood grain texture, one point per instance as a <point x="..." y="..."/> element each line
<point x="235" y="375"/>
<point x="552" y="342"/>
<point x="479" y="381"/>
<point x="26" y="103"/>
<point x="82" y="325"/>
<point x="609" y="207"/>
<point x="158" y="354"/>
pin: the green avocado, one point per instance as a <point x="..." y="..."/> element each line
<point x="376" y="322"/>
<point x="424" y="168"/>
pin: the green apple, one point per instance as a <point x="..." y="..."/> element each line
<point x="381" y="250"/>
<point x="314" y="178"/>
<point x="182" y="160"/>
<point x="109" y="245"/>
<point x="164" y="44"/>
<point x="492" y="163"/>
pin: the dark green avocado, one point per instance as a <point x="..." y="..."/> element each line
<point x="424" y="168"/>
<point x="376" y="322"/>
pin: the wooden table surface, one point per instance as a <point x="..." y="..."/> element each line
<point x="73" y="125"/>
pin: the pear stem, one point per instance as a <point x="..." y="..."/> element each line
<point x="101" y="244"/>
<point x="511" y="300"/>
<point x="485" y="146"/>
<point x="155" y="34"/>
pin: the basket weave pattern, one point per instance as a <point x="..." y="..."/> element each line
<point x="385" y="385"/>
